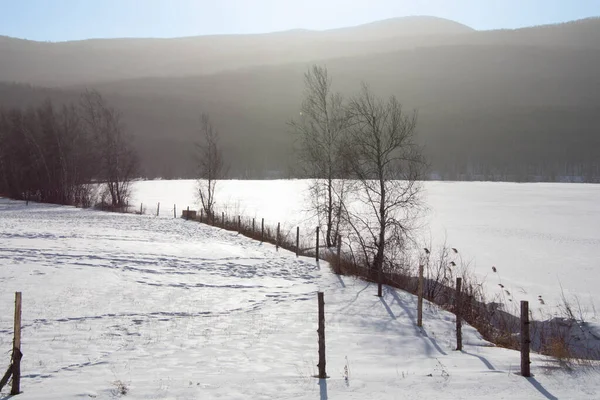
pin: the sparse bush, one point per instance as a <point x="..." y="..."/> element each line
<point x="210" y="164"/>
<point x="86" y="195"/>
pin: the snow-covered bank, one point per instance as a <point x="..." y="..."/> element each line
<point x="179" y="310"/>
<point x="538" y="235"/>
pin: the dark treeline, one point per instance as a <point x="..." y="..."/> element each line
<point x="74" y="154"/>
<point x="507" y="143"/>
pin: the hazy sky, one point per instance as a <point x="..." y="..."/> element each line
<point x="57" y="20"/>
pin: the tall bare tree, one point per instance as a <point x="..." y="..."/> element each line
<point x="321" y="131"/>
<point x="211" y="166"/>
<point x="116" y="158"/>
<point x="387" y="164"/>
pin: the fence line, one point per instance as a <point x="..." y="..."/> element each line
<point x="451" y="298"/>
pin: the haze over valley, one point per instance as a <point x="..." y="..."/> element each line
<point x="517" y="105"/>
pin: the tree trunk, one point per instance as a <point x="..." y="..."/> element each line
<point x="329" y="212"/>
<point x="381" y="243"/>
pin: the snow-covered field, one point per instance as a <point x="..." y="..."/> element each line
<point x="179" y="310"/>
<point x="539" y="236"/>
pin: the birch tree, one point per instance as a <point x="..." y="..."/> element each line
<point x="321" y="134"/>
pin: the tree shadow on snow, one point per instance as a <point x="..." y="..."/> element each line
<point x="538" y="386"/>
<point x="323" y="389"/>
<point x="351" y="302"/>
<point x="387" y="308"/>
<point x="411" y="315"/>
<point x="407" y="310"/>
<point x="483" y="360"/>
<point x="434" y="343"/>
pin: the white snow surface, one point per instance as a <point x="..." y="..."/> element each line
<point x="180" y="310"/>
<point x="539" y="236"/>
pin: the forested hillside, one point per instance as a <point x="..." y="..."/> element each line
<point x="503" y="105"/>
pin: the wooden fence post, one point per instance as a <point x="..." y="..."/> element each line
<point x="253" y="219"/>
<point x="420" y="299"/>
<point x="141" y="209"/>
<point x="525" y="340"/>
<point x="16" y="361"/>
<point x="223" y="219"/>
<point x="158" y="209"/>
<point x="321" y="332"/>
<point x="317" y="246"/>
<point x="458" y="311"/>
<point x="239" y="224"/>
<point x="201" y="213"/>
<point x="297" y="241"/>
<point x="174" y="210"/>
<point x="277" y="240"/>
<point x="187" y="216"/>
<point x="262" y="230"/>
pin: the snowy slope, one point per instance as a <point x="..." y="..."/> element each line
<point x="539" y="236"/>
<point x="180" y="310"/>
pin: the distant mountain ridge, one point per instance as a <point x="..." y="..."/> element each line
<point x="410" y="25"/>
<point x="75" y="62"/>
<point x="101" y="60"/>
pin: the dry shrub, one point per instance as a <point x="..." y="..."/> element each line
<point x="558" y="348"/>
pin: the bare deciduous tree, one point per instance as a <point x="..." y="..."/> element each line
<point x="321" y="131"/>
<point x="211" y="166"/>
<point x="387" y="164"/>
<point x="116" y="159"/>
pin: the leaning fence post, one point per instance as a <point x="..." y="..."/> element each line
<point x="297" y="241"/>
<point x="158" y="209"/>
<point x="317" y="246"/>
<point x="262" y="230"/>
<point x="525" y="339"/>
<point x="420" y="299"/>
<point x="16" y="356"/>
<point x="321" y="332"/>
<point x="458" y="310"/>
<point x="277" y="240"/>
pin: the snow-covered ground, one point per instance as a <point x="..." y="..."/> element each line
<point x="539" y="236"/>
<point x="179" y="310"/>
